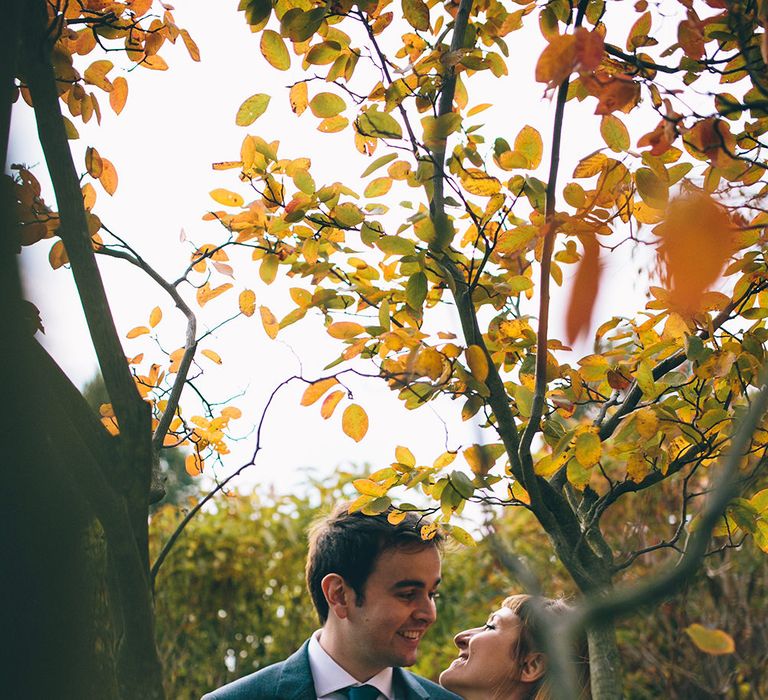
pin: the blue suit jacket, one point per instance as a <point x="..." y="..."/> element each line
<point x="292" y="680"/>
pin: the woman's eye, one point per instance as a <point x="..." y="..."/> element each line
<point x="489" y="626"/>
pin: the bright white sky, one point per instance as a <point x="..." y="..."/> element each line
<point x="175" y="124"/>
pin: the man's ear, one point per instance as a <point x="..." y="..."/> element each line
<point x="337" y="594"/>
<point x="534" y="666"/>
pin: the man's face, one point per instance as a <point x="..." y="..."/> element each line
<point x="398" y="606"/>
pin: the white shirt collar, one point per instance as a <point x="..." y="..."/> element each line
<point x="329" y="677"/>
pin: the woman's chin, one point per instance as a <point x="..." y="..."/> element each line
<point x="448" y="678"/>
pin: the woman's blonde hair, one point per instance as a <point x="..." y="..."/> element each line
<point x="529" y="641"/>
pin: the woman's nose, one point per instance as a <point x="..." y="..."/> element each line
<point x="462" y="639"/>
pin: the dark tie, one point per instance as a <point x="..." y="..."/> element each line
<point x="362" y="692"/>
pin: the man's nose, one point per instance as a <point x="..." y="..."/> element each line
<point x="427" y="612"/>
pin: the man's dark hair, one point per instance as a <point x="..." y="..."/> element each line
<point x="349" y="544"/>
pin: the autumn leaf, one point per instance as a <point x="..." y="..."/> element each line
<point x="268" y="320"/>
<point x="326" y="104"/>
<point x="108" y="177"/>
<point x="58" y="255"/>
<point x="136" y="332"/>
<point x="247" y="302"/>
<point x="587" y="448"/>
<point x="93" y="162"/>
<point x="354" y="422"/>
<point x="614" y="133"/>
<point x="330" y="402"/>
<point x="416" y="13"/>
<point x="478" y="362"/>
<point x="557" y="61"/>
<point x="695" y="241"/>
<point x="298" y="97"/>
<point x="529" y="143"/>
<point x="212" y="356"/>
<point x="96" y="74"/>
<point x="206" y="292"/>
<point x="252" y="109"/>
<point x="711" y="641"/>
<point x="583" y="292"/>
<point x="274" y="50"/>
<point x="226" y="198"/>
<point x="155" y="317"/>
<point x="194" y="464"/>
<point x="344" y="330"/>
<point x="316" y="389"/>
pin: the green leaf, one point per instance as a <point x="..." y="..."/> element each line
<point x="347" y="215"/>
<point x="416" y="290"/>
<point x="394" y="245"/>
<point x="462" y="483"/>
<point x="437" y="129"/>
<point x="257" y="11"/>
<point x="274" y="50"/>
<point x="378" y="163"/>
<point x="416" y="13"/>
<point x="654" y="192"/>
<point x="252" y="109"/>
<point x="299" y="25"/>
<point x="326" y="104"/>
<point x="378" y="124"/>
<point x="324" y="53"/>
<point x="614" y="133"/>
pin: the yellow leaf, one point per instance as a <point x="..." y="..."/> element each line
<point x="477" y="361"/>
<point x="315" y="390"/>
<point x="227" y="198"/>
<point x="710" y="641"/>
<point x="194" y="464"/>
<point x="268" y="320"/>
<point x="330" y="402"/>
<point x="213" y="356"/>
<point x="206" y="293"/>
<point x="462" y="536"/>
<point x="155" y="317"/>
<point x="428" y="531"/>
<point x="646" y="422"/>
<point x="369" y="488"/>
<point x="136" y="332"/>
<point x="588" y="448"/>
<point x="637" y="467"/>
<point x="298" y="97"/>
<point x="529" y="143"/>
<point x="231" y="412"/>
<point x="93" y="162"/>
<point x="517" y="491"/>
<point x="343" y="330"/>
<point x="96" y="74"/>
<point x="444" y="460"/>
<point x="404" y="456"/>
<point x="247" y="302"/>
<point x="354" y="422"/>
<point x="396" y="517"/>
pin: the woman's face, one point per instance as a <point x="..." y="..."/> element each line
<point x="485" y="665"/>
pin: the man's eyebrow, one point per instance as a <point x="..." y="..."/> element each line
<point x="413" y="583"/>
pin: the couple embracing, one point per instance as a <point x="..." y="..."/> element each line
<point x="374" y="586"/>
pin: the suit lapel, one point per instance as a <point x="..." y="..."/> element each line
<point x="296" y="677"/>
<point x="409" y="685"/>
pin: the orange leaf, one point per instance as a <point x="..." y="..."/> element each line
<point x="155" y="317"/>
<point x="583" y="292"/>
<point x="354" y="422"/>
<point x="330" y="402"/>
<point x="247" y="302"/>
<point x="194" y="52"/>
<point x="711" y="641"/>
<point x="268" y="320"/>
<point x="58" y="255"/>
<point x="557" y="61"/>
<point x="343" y="330"/>
<point x="136" y="332"/>
<point x="696" y="241"/>
<point x="89" y="196"/>
<point x="108" y="177"/>
<point x="119" y="94"/>
<point x="315" y="390"/>
<point x="194" y="464"/>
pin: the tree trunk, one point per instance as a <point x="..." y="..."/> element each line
<point x="604" y="663"/>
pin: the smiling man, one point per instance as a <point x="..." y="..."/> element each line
<point x="373" y="585"/>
